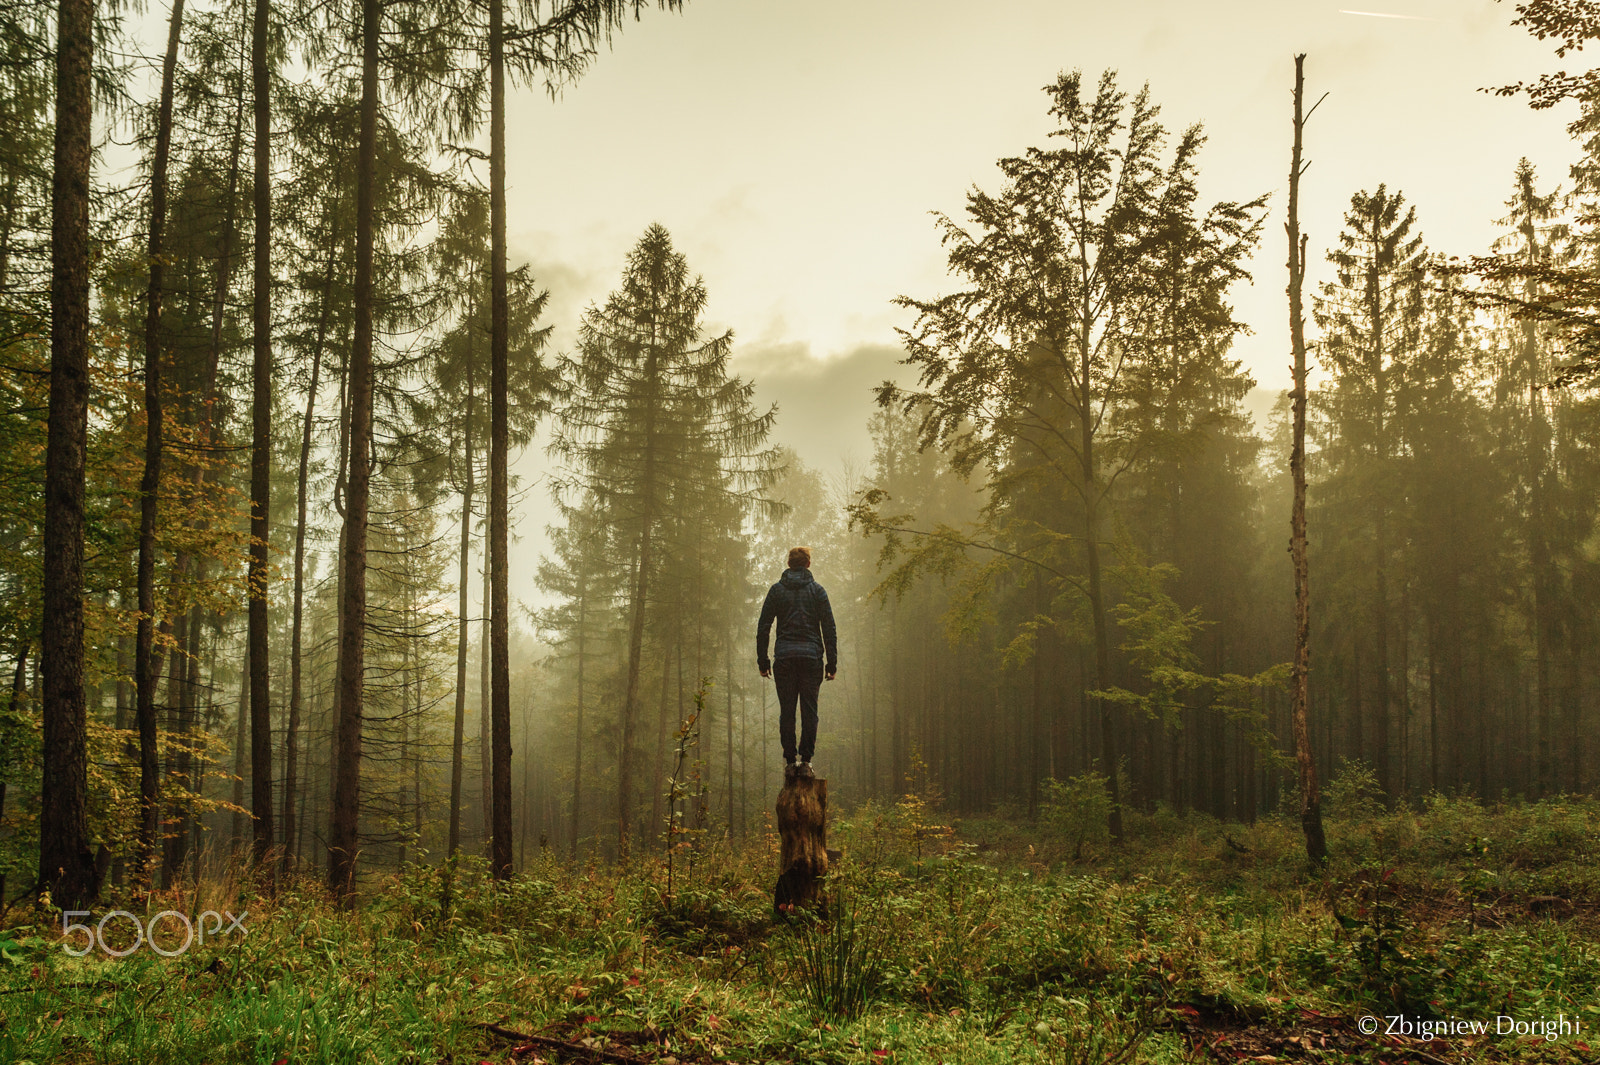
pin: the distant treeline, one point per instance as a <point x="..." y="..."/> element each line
<point x="257" y="501"/>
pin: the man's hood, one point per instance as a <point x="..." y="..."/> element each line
<point x="795" y="578"/>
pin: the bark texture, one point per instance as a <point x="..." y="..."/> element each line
<point x="803" y="856"/>
<point x="66" y="865"/>
<point x="499" y="497"/>
<point x="1310" y="800"/>
<point x="145" y="664"/>
<point x="261" y="449"/>
<point x="342" y="842"/>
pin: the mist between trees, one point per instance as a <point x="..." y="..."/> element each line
<point x="262" y="604"/>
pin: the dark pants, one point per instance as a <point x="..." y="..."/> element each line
<point x="798" y="678"/>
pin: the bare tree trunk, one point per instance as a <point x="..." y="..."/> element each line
<point x="463" y="625"/>
<point x="630" y="701"/>
<point x="261" y="450"/>
<point x="1310" y="800"/>
<point x="1092" y="498"/>
<point x="180" y="763"/>
<point x="499" y="492"/>
<point x="728" y="778"/>
<point x="241" y="761"/>
<point x="577" y="760"/>
<point x="1036" y="710"/>
<point x="291" y="739"/>
<point x="145" y="666"/>
<point x="485" y="726"/>
<point x="66" y="865"/>
<point x="353" y="610"/>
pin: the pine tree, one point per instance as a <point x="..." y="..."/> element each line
<point x="150" y="484"/>
<point x="66" y="866"/>
<point x="1371" y="317"/>
<point x="1066" y="267"/>
<point x="457" y="366"/>
<point x="261" y="441"/>
<point x="1537" y="240"/>
<point x="645" y="398"/>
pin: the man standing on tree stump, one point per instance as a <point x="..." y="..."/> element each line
<point x="805" y="631"/>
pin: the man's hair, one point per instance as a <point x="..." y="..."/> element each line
<point x="799" y="558"/>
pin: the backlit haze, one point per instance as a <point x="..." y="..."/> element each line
<point x="795" y="151"/>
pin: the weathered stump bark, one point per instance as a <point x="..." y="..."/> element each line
<point x="803" y="859"/>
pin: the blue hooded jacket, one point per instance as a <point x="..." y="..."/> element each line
<point x="805" y="621"/>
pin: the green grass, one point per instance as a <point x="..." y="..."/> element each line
<point x="998" y="942"/>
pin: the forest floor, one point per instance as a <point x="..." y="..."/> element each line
<point x="992" y="941"/>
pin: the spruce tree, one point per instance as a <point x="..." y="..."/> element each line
<point x="1035" y="358"/>
<point x="66" y="866"/>
<point x="645" y="398"/>
<point x="1371" y="316"/>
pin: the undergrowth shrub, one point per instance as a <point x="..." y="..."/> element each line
<point x="705" y="917"/>
<point x="1077" y="810"/>
<point x="1090" y="1034"/>
<point x="838" y="954"/>
<point x="1353" y="794"/>
<point x="1055" y="941"/>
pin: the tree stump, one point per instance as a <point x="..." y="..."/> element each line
<point x="803" y="859"/>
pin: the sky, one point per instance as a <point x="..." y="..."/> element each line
<point x="795" y="151"/>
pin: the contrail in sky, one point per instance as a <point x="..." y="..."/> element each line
<point x="1380" y="14"/>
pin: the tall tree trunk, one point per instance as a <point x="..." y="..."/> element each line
<point x="630" y="701"/>
<point x="342" y="841"/>
<point x="144" y="663"/>
<point x="485" y="726"/>
<point x="261" y="448"/>
<point x="66" y="865"/>
<point x="189" y="713"/>
<point x="659" y="760"/>
<point x="463" y="624"/>
<point x="241" y="761"/>
<point x="499" y="492"/>
<point x="1036" y="708"/>
<point x="1310" y="800"/>
<point x="1092" y="499"/>
<point x="291" y="739"/>
<point x="1381" y="755"/>
<point x="340" y="480"/>
<point x="577" y="758"/>
<point x="180" y="763"/>
<point x="416" y="755"/>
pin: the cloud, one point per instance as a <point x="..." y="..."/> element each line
<point x="823" y="404"/>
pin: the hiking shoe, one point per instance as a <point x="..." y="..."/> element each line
<point x="804" y="772"/>
<point x="789" y="770"/>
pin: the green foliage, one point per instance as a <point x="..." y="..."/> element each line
<point x="1353" y="793"/>
<point x="1077" y="808"/>
<point x="974" y="954"/>
<point x="682" y="833"/>
<point x="838" y="954"/>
